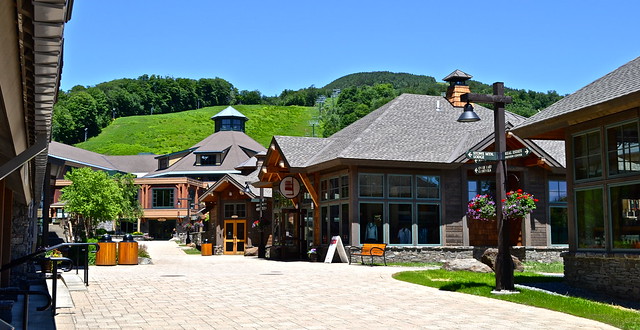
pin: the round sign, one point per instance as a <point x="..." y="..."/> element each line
<point x="290" y="187"/>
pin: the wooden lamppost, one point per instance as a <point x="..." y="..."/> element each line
<point x="504" y="263"/>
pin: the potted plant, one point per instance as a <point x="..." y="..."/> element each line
<point x="48" y="264"/>
<point x="313" y="254"/>
<point x="515" y="207"/>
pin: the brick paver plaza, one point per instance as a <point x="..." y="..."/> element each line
<point x="182" y="291"/>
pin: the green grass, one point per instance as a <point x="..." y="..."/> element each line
<point x="481" y="284"/>
<point x="540" y="267"/>
<point x="166" y="133"/>
<point x="191" y="251"/>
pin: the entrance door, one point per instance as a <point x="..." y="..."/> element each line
<point x="235" y="234"/>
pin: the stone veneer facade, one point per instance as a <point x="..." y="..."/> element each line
<point x="617" y="274"/>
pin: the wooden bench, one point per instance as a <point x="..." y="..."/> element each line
<point x="369" y="250"/>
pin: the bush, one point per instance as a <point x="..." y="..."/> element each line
<point x="142" y="251"/>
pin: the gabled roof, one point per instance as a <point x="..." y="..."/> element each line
<point x="239" y="181"/>
<point x="409" y="129"/>
<point x="236" y="144"/>
<point x="127" y="164"/>
<point x="592" y="101"/>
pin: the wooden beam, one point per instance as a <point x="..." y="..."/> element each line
<point x="25" y="156"/>
<point x="484" y="98"/>
<point x="312" y="191"/>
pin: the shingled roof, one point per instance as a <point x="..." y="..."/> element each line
<point x="410" y="128"/>
<point x="619" y="83"/>
<point x="139" y="164"/>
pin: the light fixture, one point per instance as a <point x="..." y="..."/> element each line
<point x="468" y="116"/>
<point x="247" y="189"/>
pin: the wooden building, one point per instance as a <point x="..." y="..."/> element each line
<point x="600" y="125"/>
<point x="400" y="176"/>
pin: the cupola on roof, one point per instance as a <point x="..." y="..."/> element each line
<point x="229" y="119"/>
<point x="457" y="77"/>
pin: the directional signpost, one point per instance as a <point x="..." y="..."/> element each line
<point x="482" y="156"/>
<point x="516" y="153"/>
<point x="482" y="169"/>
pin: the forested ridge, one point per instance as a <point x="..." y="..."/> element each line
<point x="87" y="110"/>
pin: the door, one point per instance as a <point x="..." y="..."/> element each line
<point x="235" y="234"/>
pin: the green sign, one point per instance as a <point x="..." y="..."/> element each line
<point x="516" y="153"/>
<point x="484" y="169"/>
<point x="482" y="155"/>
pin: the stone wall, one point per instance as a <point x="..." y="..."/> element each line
<point x="23" y="241"/>
<point x="616" y="274"/>
<point x="444" y="253"/>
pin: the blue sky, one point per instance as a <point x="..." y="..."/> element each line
<point x="275" y="45"/>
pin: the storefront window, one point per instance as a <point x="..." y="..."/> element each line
<point x="428" y="186"/>
<point x="587" y="156"/>
<point x="429" y="224"/>
<point x="400" y="220"/>
<point x="625" y="210"/>
<point x="590" y="218"/>
<point x="371" y="222"/>
<point x="400" y="186"/>
<point x="623" y="149"/>
<point x="346" y="229"/>
<point x="371" y="185"/>
<point x="344" y="186"/>
<point x="480" y="187"/>
<point x="334" y="188"/>
<point x="558" y="218"/>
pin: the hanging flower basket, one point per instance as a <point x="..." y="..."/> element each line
<point x="515" y="207"/>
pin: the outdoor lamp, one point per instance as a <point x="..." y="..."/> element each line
<point x="247" y="189"/>
<point x="468" y="115"/>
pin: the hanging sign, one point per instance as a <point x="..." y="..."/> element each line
<point x="516" y="153"/>
<point x="480" y="156"/>
<point x="290" y="187"/>
<point x="336" y="244"/>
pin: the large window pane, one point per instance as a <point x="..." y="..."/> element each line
<point x="371" y="185"/>
<point x="334" y="220"/>
<point x="590" y="218"/>
<point x="480" y="187"/>
<point x="623" y="149"/>
<point x="162" y="198"/>
<point x="400" y="186"/>
<point x="428" y="186"/>
<point x="345" y="228"/>
<point x="334" y="188"/>
<point x="587" y="157"/>
<point x="429" y="224"/>
<point x="400" y="224"/>
<point x="557" y="191"/>
<point x="559" y="228"/>
<point x="625" y="213"/>
<point x="371" y="222"/>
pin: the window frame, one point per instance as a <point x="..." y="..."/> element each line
<point x="172" y="194"/>
<point x="586" y="133"/>
<point x="411" y="186"/>
<point x="383" y="188"/>
<point x="607" y="151"/>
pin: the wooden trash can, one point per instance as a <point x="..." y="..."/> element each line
<point x="106" y="256"/>
<point x="128" y="251"/>
<point x="206" y="249"/>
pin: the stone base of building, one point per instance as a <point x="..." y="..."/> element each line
<point x="444" y="253"/>
<point x="616" y="274"/>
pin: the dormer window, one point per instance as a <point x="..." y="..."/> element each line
<point x="209" y="159"/>
<point x="163" y="163"/>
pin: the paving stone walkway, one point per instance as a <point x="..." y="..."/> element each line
<point x="182" y="291"/>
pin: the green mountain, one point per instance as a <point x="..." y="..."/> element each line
<point x="401" y="82"/>
<point x="166" y="133"/>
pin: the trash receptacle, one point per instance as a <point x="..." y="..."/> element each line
<point x="128" y="251"/>
<point x="206" y="249"/>
<point x="106" y="255"/>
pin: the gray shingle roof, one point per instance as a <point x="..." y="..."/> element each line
<point x="409" y="128"/>
<point x="128" y="164"/>
<point x="620" y="82"/>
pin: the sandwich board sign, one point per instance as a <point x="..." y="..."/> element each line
<point x="336" y="244"/>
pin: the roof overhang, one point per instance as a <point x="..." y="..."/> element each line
<point x="553" y="128"/>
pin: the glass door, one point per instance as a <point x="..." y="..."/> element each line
<point x="235" y="234"/>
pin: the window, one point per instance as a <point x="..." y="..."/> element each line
<point x="209" y="159"/>
<point x="163" y="163"/>
<point x="346" y="228"/>
<point x="324" y="194"/>
<point x="334" y="188"/>
<point x="586" y="156"/>
<point x="235" y="210"/>
<point x="400" y="220"/>
<point x="400" y="186"/>
<point x="162" y="198"/>
<point x="480" y="187"/>
<point x="429" y="224"/>
<point x="371" y="222"/>
<point x="558" y="219"/>
<point x="590" y="218"/>
<point x="428" y="186"/>
<point x="229" y="124"/>
<point x="625" y="213"/>
<point x="623" y="149"/>
<point x="371" y="185"/>
<point x="344" y="181"/>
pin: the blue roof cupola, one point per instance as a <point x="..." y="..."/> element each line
<point x="229" y="119"/>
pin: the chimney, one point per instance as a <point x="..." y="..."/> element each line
<point x="457" y="86"/>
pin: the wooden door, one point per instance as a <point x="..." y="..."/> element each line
<point x="235" y="236"/>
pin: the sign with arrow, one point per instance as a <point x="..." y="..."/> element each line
<point x="484" y="169"/>
<point x="482" y="155"/>
<point x="516" y="153"/>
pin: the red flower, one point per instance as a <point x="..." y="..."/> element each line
<point x="503" y="200"/>
<point x="535" y="200"/>
<point x="519" y="190"/>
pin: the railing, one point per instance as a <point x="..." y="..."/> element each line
<point x="51" y="300"/>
